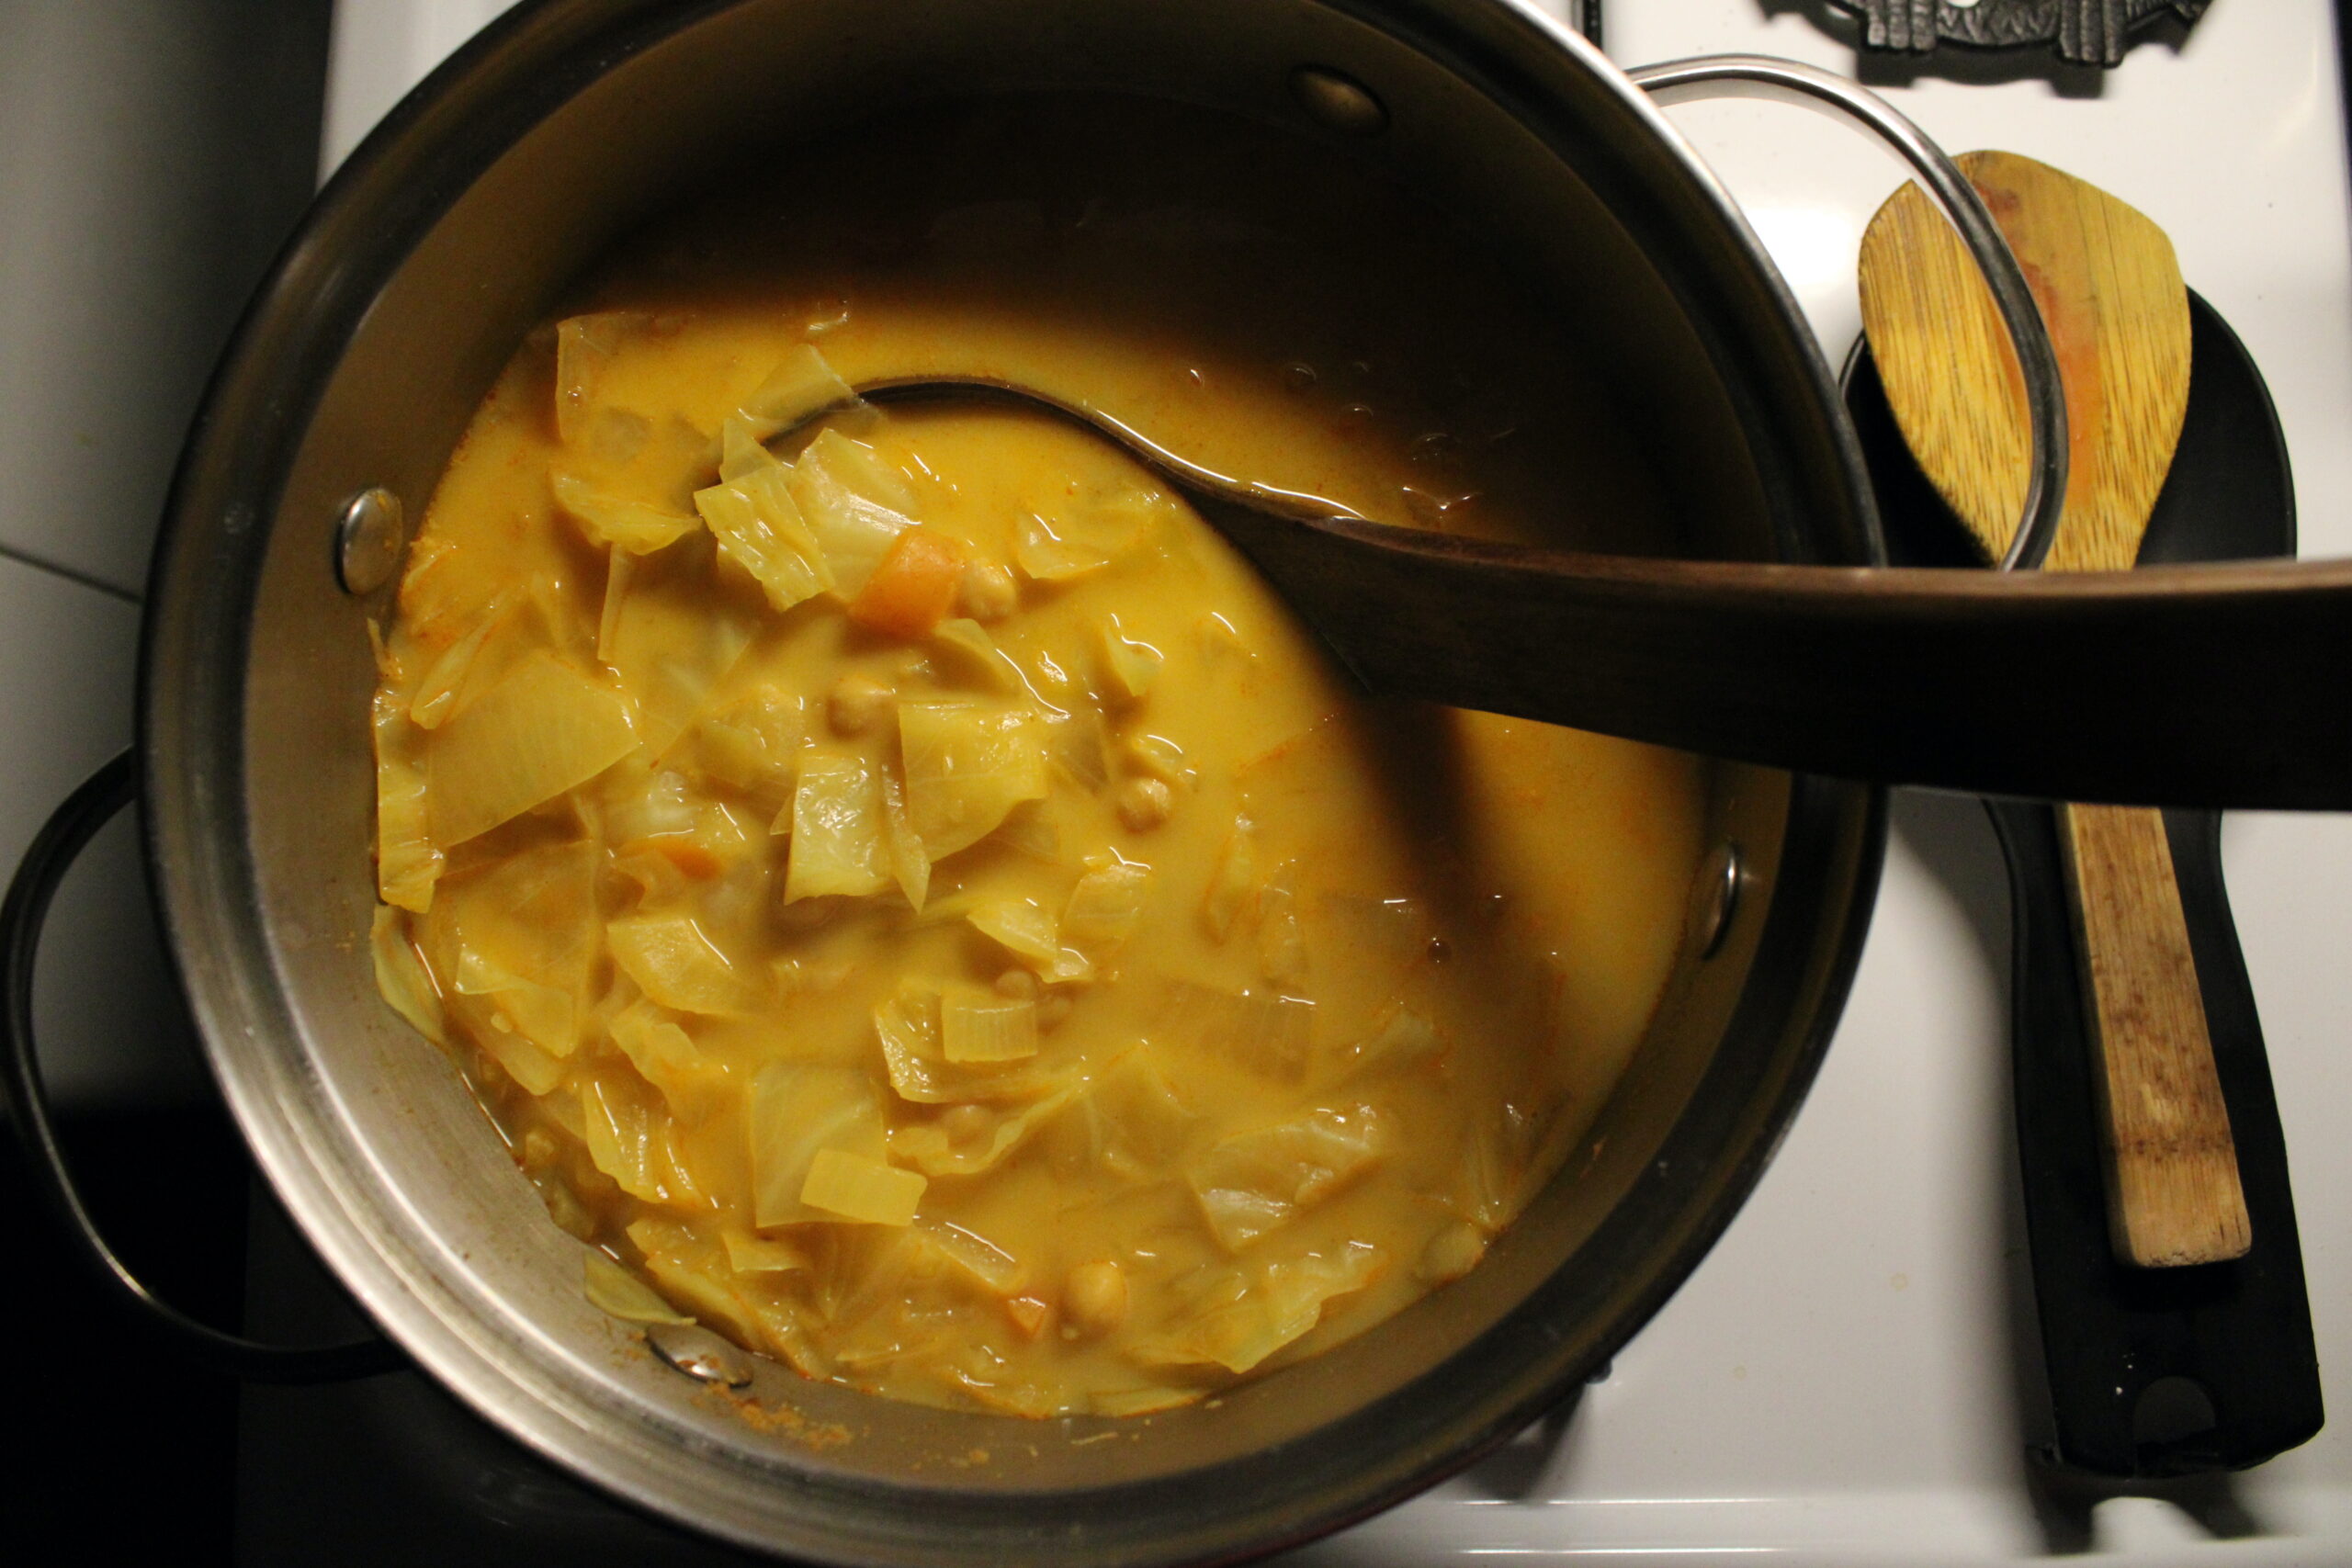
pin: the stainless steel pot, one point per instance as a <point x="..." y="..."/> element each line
<point x="419" y="270"/>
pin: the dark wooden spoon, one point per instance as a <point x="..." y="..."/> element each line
<point x="2166" y="686"/>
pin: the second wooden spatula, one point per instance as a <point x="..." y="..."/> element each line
<point x="2111" y="295"/>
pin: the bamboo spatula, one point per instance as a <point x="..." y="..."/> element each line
<point x="2110" y="292"/>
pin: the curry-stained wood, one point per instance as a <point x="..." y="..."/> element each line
<point x="2109" y="290"/>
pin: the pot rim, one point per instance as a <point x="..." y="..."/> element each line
<point x="254" y="414"/>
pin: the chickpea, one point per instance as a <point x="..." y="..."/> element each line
<point x="1157" y="756"/>
<point x="1052" y="1008"/>
<point x="966" y="1124"/>
<point x="1144" y="803"/>
<point x="570" y="1214"/>
<point x="855" y="703"/>
<point x="1452" y="1253"/>
<point x="1094" y="1297"/>
<point x="987" y="592"/>
<point x="1017" y="983"/>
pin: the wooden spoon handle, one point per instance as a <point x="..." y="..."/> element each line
<point x="2173" y="1194"/>
<point x="2205" y="686"/>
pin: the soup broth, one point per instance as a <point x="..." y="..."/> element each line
<point x="907" y="893"/>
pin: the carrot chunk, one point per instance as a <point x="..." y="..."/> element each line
<point x="913" y="586"/>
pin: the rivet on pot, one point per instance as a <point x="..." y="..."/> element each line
<point x="1337" y="102"/>
<point x="367" y="540"/>
<point x="1715" y="897"/>
<point x="700" y="1354"/>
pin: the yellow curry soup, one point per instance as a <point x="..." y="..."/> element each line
<point x="905" y="890"/>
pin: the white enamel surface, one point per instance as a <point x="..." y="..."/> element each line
<point x="127" y="244"/>
<point x="1839" y="1383"/>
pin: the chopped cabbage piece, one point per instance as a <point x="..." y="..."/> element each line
<point x="1045" y="556"/>
<point x="977" y="1024"/>
<point x="558" y="617"/>
<point x="977" y="653"/>
<point x="635" y="1143"/>
<point x="636" y="801"/>
<point x="1104" y="906"/>
<point x="435" y="697"/>
<point x="1404" y="1040"/>
<point x="1027" y="932"/>
<point x="750" y="1254"/>
<point x="1129" y="665"/>
<point x="1082" y="748"/>
<point x="524" y="1063"/>
<point x="930" y="1148"/>
<point x="407" y="861"/>
<point x="584" y="346"/>
<point x="741" y="452"/>
<point x="980" y="1260"/>
<point x="862" y="471"/>
<point x="1234" y="883"/>
<point x="854" y="528"/>
<point x="990" y="1387"/>
<point x="797" y="1110"/>
<point x="1035" y="828"/>
<point x="518" y="943"/>
<point x="546" y="1016"/>
<point x="1128" y="1122"/>
<point x="617" y="571"/>
<point x="544" y="728"/>
<point x="755" y="745"/>
<point x="1250" y="1318"/>
<point x="677" y="964"/>
<point x="907" y="1027"/>
<point x="802" y="384"/>
<point x="1255" y="1182"/>
<point x="1140" y="1401"/>
<point x="838" y="843"/>
<point x="692" y="1270"/>
<point x="672" y="643"/>
<point x="759" y="527"/>
<point x="1264" y="1031"/>
<point x="620" y="524"/>
<point x="909" y="862"/>
<point x="402" y="977"/>
<point x="1281" y="940"/>
<point x="613" y="1289"/>
<point x="665" y="1056"/>
<point x="967" y="766"/>
<point x="1122" y="517"/>
<point x="851" y="1187"/>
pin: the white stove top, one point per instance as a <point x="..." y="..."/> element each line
<point x="1840" y="1381"/>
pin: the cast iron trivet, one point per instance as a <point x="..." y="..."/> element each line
<point x="2082" y="32"/>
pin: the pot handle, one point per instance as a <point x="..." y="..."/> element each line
<point x="54" y="849"/>
<point x="1789" y="82"/>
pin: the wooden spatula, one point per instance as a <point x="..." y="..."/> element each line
<point x="2110" y="292"/>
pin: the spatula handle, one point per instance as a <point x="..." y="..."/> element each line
<point x="2173" y="1192"/>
